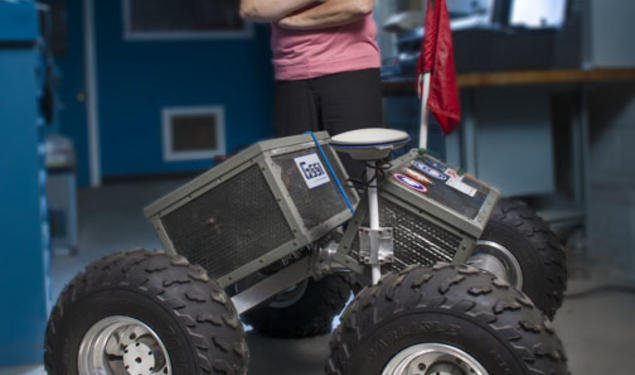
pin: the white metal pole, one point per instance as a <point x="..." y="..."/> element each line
<point x="373" y="200"/>
<point x="376" y="273"/>
<point x="424" y="81"/>
<point x="373" y="214"/>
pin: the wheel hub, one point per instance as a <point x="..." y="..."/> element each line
<point x="498" y="260"/>
<point x="121" y="345"/>
<point x="433" y="359"/>
<point x="138" y="359"/>
<point x="446" y="369"/>
<point x="290" y="296"/>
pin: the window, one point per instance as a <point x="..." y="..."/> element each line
<point x="183" y="19"/>
<point x="470" y="8"/>
<point x="538" y="13"/>
<point x="193" y="133"/>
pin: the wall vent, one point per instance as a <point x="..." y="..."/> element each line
<point x="193" y="133"/>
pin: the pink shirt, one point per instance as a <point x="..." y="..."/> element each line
<point x="309" y="54"/>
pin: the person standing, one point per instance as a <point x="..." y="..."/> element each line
<point x="326" y="65"/>
<point x="326" y="61"/>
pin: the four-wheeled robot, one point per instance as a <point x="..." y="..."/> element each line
<point x="447" y="278"/>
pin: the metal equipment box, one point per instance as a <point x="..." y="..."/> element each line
<point x="256" y="208"/>
<point x="437" y="213"/>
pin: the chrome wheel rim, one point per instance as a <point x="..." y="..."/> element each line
<point x="433" y="359"/>
<point x="290" y="296"/>
<point x="495" y="258"/>
<point x="121" y="345"/>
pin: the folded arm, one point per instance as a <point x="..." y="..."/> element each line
<point x="329" y="14"/>
<point x="271" y="10"/>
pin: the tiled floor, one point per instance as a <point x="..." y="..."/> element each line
<point x="597" y="330"/>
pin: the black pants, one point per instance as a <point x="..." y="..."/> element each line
<point x="336" y="103"/>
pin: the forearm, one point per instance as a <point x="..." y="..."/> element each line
<point x="329" y="14"/>
<point x="271" y="10"/>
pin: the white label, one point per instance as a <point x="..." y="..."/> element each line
<point x="458" y="184"/>
<point x="312" y="170"/>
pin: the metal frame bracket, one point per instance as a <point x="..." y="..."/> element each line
<point x="376" y="246"/>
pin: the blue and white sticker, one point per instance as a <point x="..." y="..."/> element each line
<point x="312" y="170"/>
<point x="434" y="173"/>
<point x="411" y="183"/>
<point x="435" y="164"/>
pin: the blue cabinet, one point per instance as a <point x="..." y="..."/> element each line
<point x="25" y="244"/>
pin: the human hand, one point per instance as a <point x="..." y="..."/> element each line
<point x="288" y="22"/>
<point x="293" y="20"/>
<point x="328" y="13"/>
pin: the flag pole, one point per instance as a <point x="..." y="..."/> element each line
<point x="424" y="84"/>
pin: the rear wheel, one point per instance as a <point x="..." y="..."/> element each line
<point x="519" y="247"/>
<point x="305" y="310"/>
<point x="451" y="320"/>
<point x="144" y="313"/>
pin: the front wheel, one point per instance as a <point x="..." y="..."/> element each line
<point x="444" y="320"/>
<point x="144" y="313"/>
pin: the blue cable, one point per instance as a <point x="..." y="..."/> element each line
<point x="330" y="167"/>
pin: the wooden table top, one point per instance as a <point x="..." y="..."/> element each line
<point x="519" y="78"/>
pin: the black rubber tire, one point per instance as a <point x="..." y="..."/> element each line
<point x="539" y="252"/>
<point x="311" y="316"/>
<point x="459" y="306"/>
<point x="192" y="315"/>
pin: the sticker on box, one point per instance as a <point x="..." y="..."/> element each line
<point x="434" y="173"/>
<point x="459" y="185"/>
<point x="411" y="183"/>
<point x="312" y="170"/>
<point x="418" y="176"/>
<point x="434" y="164"/>
<point x="452" y="173"/>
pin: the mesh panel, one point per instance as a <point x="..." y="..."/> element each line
<point x="416" y="240"/>
<point x="315" y="205"/>
<point x="224" y="229"/>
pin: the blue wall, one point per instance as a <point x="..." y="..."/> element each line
<point x="137" y="79"/>
<point x="611" y="202"/>
<point x="23" y="258"/>
<point x="72" y="114"/>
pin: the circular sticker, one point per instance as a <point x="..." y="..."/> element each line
<point x="422" y="167"/>
<point x="409" y="182"/>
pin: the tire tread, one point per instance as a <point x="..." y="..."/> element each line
<point x="139" y="270"/>
<point x="464" y="290"/>
<point x="550" y="251"/>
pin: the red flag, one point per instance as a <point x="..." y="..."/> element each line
<point x="437" y="57"/>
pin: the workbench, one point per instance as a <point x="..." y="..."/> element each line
<point x="462" y="147"/>
<point x="406" y="86"/>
